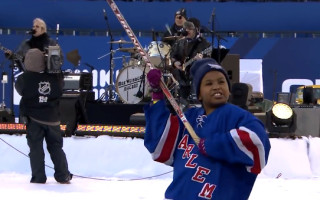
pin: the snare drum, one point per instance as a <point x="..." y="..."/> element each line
<point x="157" y="52"/>
<point x="129" y="84"/>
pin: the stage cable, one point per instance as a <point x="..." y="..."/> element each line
<point x="92" y="178"/>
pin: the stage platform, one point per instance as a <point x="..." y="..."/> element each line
<point x="94" y="119"/>
<point x="112" y="113"/>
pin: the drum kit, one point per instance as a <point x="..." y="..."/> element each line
<point x="131" y="84"/>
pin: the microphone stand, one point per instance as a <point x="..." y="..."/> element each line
<point x="111" y="97"/>
<point x="212" y="19"/>
<point x="141" y="94"/>
<point x="213" y="35"/>
<point x="57" y="33"/>
<point x="219" y="49"/>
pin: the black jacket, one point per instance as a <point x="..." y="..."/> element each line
<point x="41" y="94"/>
<point x="41" y="42"/>
<point x="186" y="49"/>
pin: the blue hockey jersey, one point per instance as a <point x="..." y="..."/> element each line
<point x="233" y="149"/>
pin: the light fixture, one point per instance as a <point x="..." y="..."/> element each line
<point x="281" y="120"/>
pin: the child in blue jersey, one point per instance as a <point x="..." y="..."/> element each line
<point x="233" y="147"/>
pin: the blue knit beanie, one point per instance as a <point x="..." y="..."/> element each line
<point x="200" y="67"/>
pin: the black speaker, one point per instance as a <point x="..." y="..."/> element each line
<point x="77" y="81"/>
<point x="241" y="94"/>
<point x="112" y="113"/>
<point x="308" y="95"/>
<point x="6" y="116"/>
<point x="231" y="63"/>
<point x="72" y="110"/>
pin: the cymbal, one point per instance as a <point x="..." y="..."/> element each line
<point x="129" y="50"/>
<point x="120" y="42"/>
<point x="172" y="38"/>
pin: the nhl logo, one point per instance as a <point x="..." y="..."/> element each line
<point x="44" y="88"/>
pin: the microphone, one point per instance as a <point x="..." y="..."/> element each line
<point x="105" y="14"/>
<point x="31" y="32"/>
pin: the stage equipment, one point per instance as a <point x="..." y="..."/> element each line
<point x="111" y="89"/>
<point x="77" y="81"/>
<point x="129" y="50"/>
<point x="4" y="81"/>
<point x="72" y="109"/>
<point x="158" y="51"/>
<point x="131" y="84"/>
<point x="284" y="97"/>
<point x="134" y="62"/>
<point x="308" y="96"/>
<point x="84" y="130"/>
<point x="6" y="114"/>
<point x="138" y="119"/>
<point x="281" y="120"/>
<point x="241" y="94"/>
<point x="120" y="42"/>
<point x="54" y="59"/>
<point x="219" y="54"/>
<point x="231" y="63"/>
<point x="112" y="114"/>
<point x="256" y="102"/>
<point x="74" y="57"/>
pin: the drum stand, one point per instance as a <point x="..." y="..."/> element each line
<point x="171" y="82"/>
<point x="111" y="88"/>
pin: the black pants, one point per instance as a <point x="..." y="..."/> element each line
<point x="184" y="83"/>
<point x="36" y="133"/>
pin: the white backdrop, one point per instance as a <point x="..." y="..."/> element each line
<point x="251" y="73"/>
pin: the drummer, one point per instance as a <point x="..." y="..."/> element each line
<point x="176" y="29"/>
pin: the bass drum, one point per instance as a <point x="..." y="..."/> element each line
<point x="130" y="85"/>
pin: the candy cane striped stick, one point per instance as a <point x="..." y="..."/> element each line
<point x="146" y="58"/>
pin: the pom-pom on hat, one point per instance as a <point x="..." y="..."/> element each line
<point x="200" y="67"/>
<point x="34" y="61"/>
<point x="182" y="12"/>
